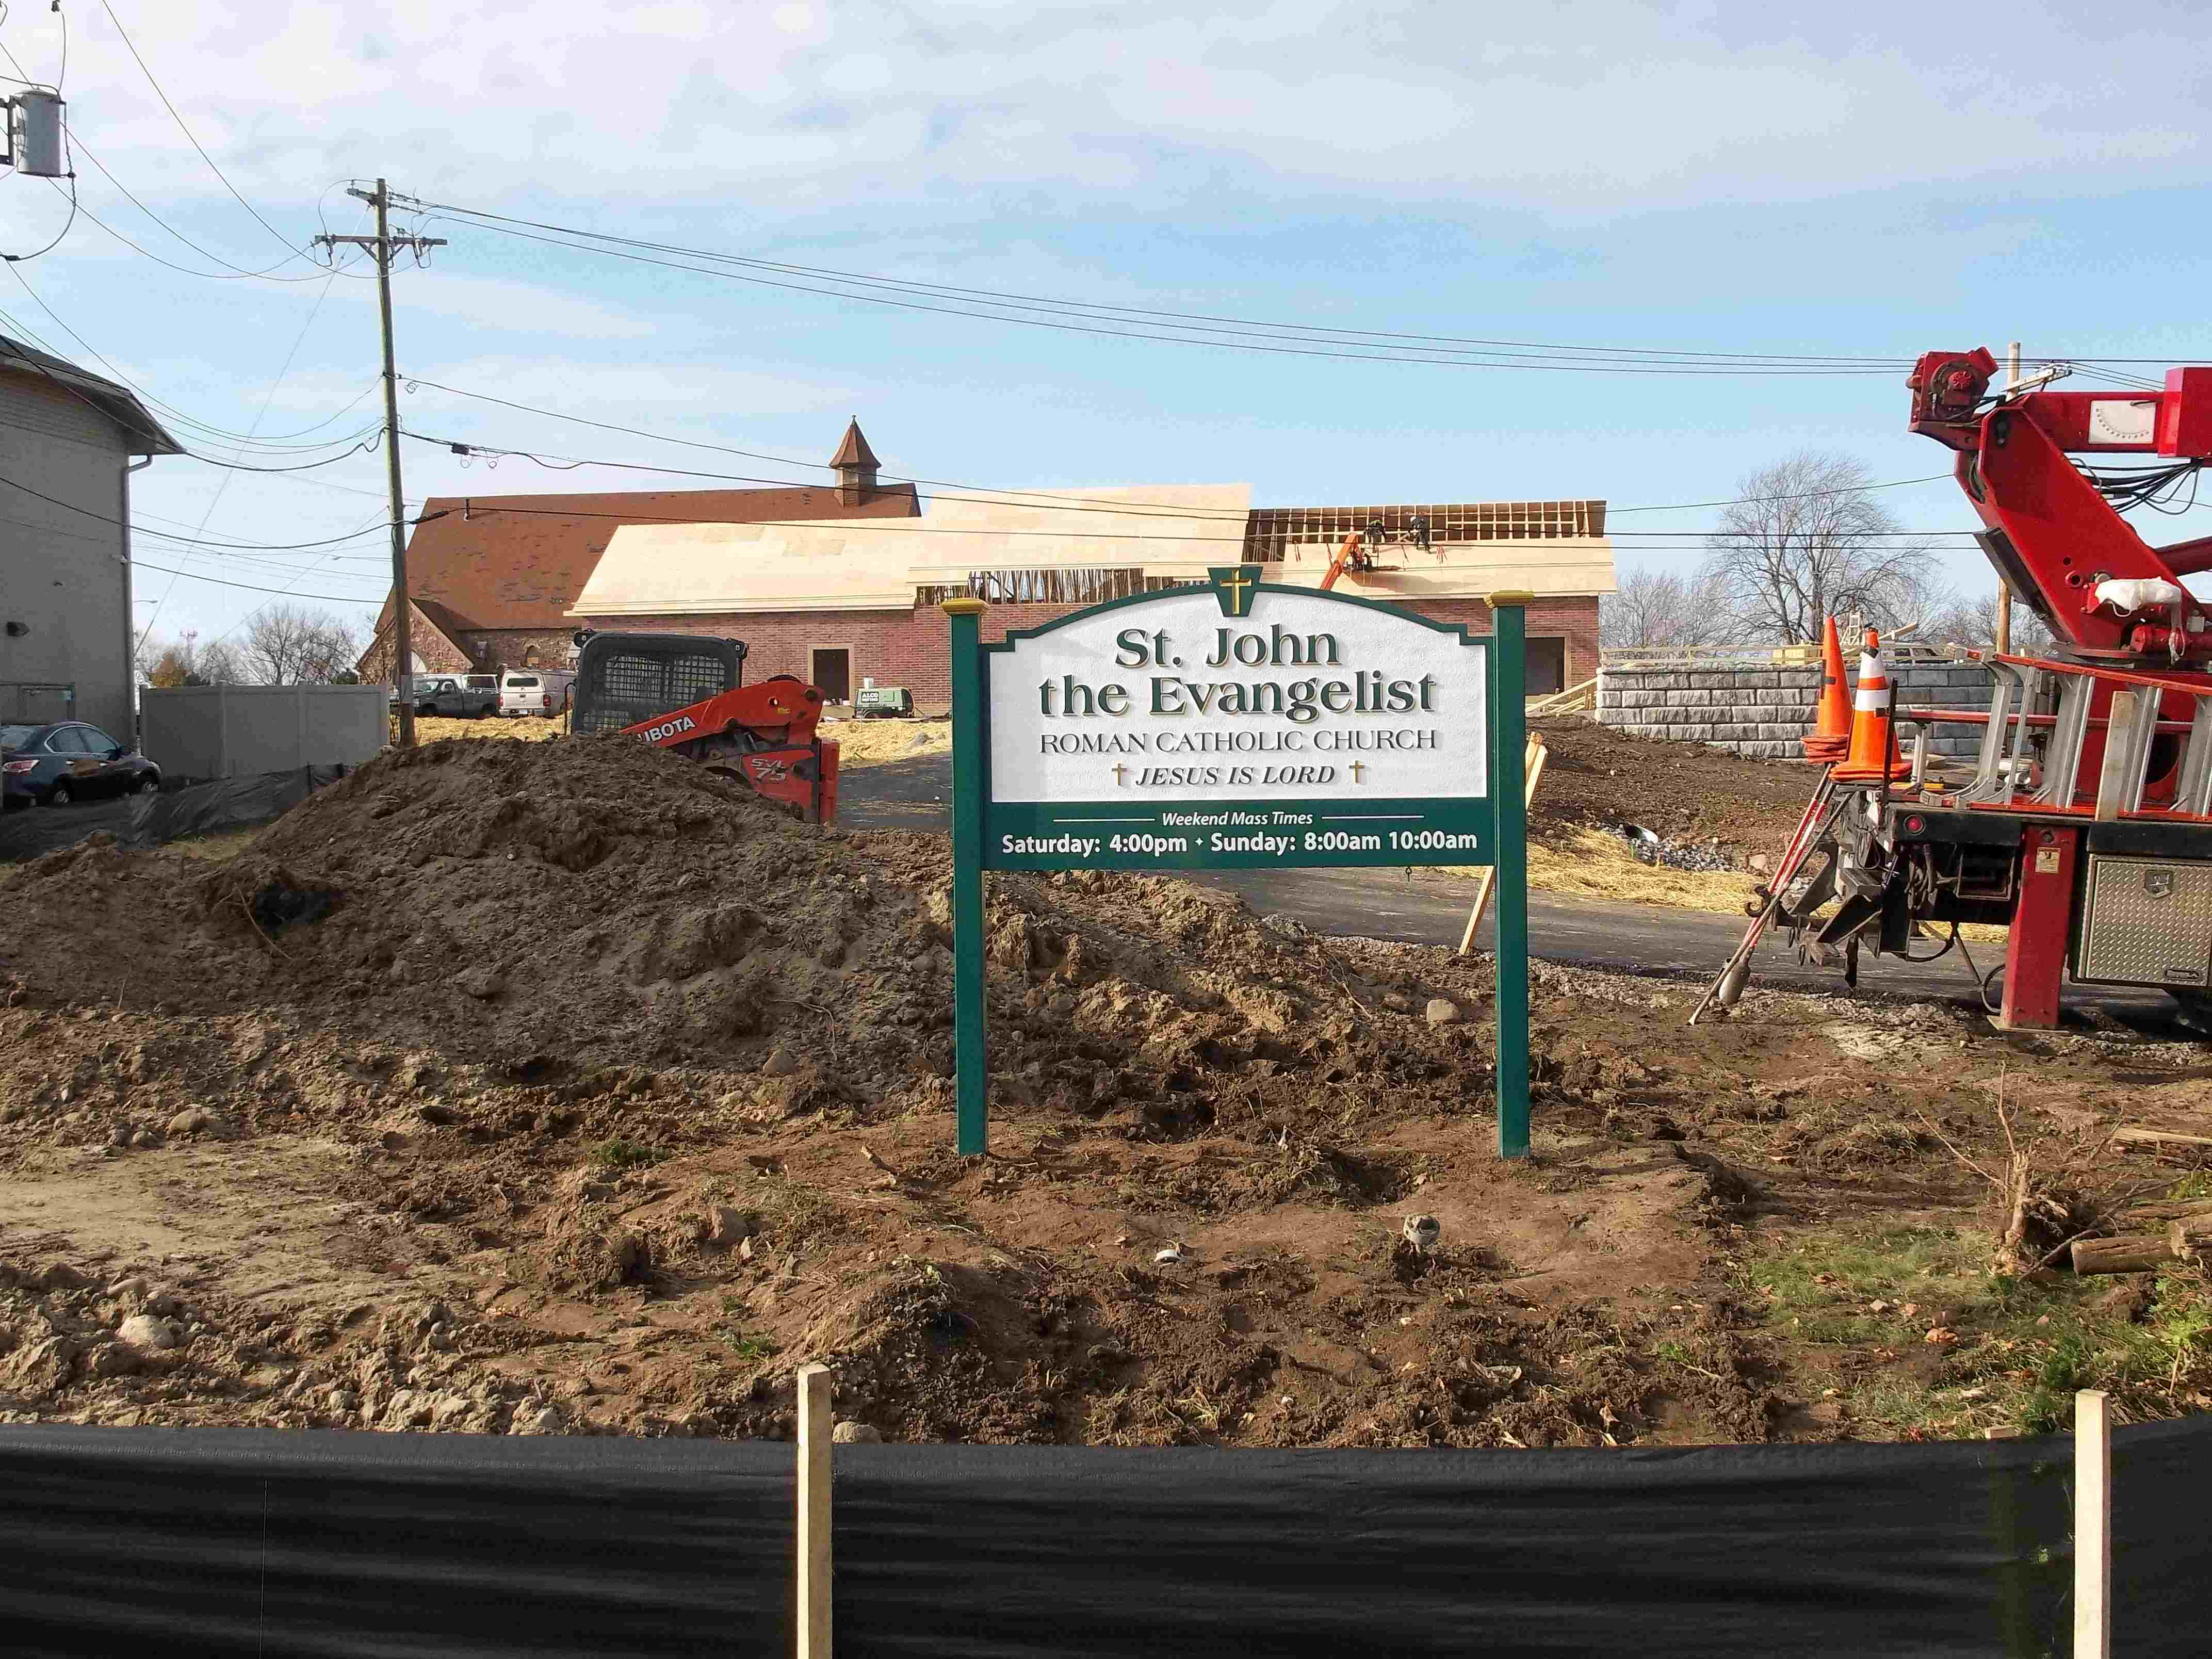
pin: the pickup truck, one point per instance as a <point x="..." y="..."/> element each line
<point x="469" y="696"/>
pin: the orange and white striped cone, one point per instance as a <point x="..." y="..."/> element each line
<point x="1831" y="736"/>
<point x="1873" y="732"/>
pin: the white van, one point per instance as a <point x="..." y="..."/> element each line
<point x="542" y="691"/>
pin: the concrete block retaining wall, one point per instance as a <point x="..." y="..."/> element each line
<point x="1762" y="713"/>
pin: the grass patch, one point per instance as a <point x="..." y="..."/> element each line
<point x="788" y="1210"/>
<point x="226" y="844"/>
<point x="528" y="728"/>
<point x="2023" y="1349"/>
<point x="1876" y="1142"/>
<point x="751" y="1349"/>
<point x="1596" y="864"/>
<point x="869" y="742"/>
<point x="616" y="1153"/>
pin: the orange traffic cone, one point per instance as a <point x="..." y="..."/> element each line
<point x="1874" y="734"/>
<point x="1831" y="735"/>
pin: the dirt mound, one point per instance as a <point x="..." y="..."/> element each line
<point x="563" y="1086"/>
<point x="564" y="910"/>
<point x="1685" y="794"/>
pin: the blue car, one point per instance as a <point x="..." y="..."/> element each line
<point x="69" y="761"/>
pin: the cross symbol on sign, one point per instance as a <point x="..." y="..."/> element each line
<point x="1118" y="770"/>
<point x="1237" y="584"/>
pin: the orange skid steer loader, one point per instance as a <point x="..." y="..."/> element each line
<point x="686" y="693"/>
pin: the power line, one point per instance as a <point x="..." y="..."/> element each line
<point x="211" y="275"/>
<point x="1178" y="318"/>
<point x="238" y="272"/>
<point x="254" y="587"/>
<point x="481" y="506"/>
<point x="241" y="441"/>
<point x="1133" y="509"/>
<point x="988" y="493"/>
<point x="365" y="448"/>
<point x="268" y="397"/>
<point x="1790" y="496"/>
<point x="1465" y="350"/>
<point x="195" y="142"/>
<point x="180" y="532"/>
<point x="246" y="547"/>
<point x="1391" y="355"/>
<point x="139" y="530"/>
<point x="570" y="463"/>
<point x="14" y="259"/>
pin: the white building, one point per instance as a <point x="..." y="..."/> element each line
<point x="67" y="441"/>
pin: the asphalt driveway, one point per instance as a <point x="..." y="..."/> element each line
<point x="1424" y="909"/>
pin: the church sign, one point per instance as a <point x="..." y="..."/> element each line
<point x="1236" y="725"/>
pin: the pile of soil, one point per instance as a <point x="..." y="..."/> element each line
<point x="526" y="1088"/>
<point x="1687" y="793"/>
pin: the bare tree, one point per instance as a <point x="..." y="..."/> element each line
<point x="1960" y="621"/>
<point x="288" y="645"/>
<point x="165" y="662"/>
<point x="1662" y="608"/>
<point x="218" y="663"/>
<point x="1809" y="541"/>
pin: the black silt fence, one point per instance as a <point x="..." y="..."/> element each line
<point x="241" y="1541"/>
<point x="142" y="821"/>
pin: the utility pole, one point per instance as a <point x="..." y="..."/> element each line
<point x="2004" y="587"/>
<point x="381" y="245"/>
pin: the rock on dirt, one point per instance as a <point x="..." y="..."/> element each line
<point x="484" y="982"/>
<point x="726" y="1225"/>
<point x="1442" y="1012"/>
<point x="146" y="1331"/>
<point x="856" y="1434"/>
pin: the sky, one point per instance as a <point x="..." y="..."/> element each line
<point x="1856" y="183"/>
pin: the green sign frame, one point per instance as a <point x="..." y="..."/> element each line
<point x="1266" y="831"/>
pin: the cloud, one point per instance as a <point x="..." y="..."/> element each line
<point x="1575" y="108"/>
<point x="495" y="305"/>
<point x="613" y="391"/>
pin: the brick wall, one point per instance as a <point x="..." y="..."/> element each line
<point x="1764" y="711"/>
<point x="908" y="647"/>
<point x="493" y="650"/>
<point x="375" y="665"/>
<point x="1573" y="620"/>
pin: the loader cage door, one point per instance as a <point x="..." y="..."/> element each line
<point x="623" y="679"/>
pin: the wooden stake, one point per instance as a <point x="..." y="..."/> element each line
<point x="2158" y="1138"/>
<point x="2092" y="1527"/>
<point x="1535" y="753"/>
<point x="816" y="1423"/>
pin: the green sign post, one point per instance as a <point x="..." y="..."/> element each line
<point x="1509" y="620"/>
<point x="1238" y="725"/>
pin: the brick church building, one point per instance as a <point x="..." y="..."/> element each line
<point x="838" y="585"/>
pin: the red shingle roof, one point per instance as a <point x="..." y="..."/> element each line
<point x="520" y="561"/>
<point x="855" y="450"/>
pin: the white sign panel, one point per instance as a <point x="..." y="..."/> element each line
<point x="1303" y="696"/>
